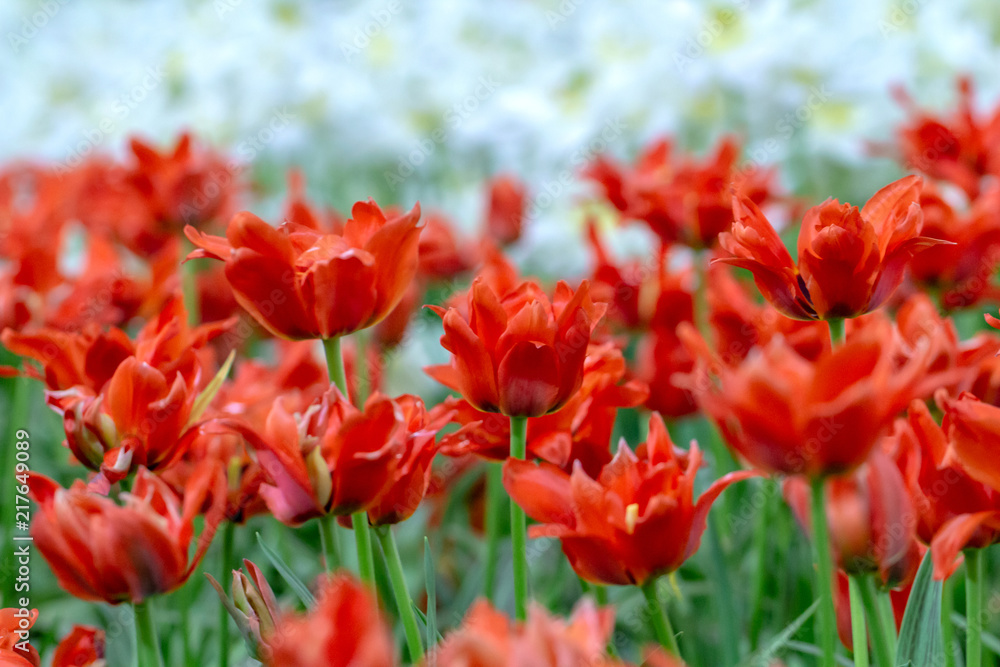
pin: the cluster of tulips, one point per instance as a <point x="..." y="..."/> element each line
<point x="185" y="368"/>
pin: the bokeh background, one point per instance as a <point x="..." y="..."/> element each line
<point x="426" y="100"/>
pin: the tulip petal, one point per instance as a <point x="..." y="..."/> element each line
<point x="543" y="491"/>
<point x="529" y="379"/>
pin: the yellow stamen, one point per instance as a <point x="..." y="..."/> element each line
<point x="631" y="516"/>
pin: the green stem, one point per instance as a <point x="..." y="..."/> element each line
<point x="189" y="287"/>
<point x="888" y="622"/>
<point x="495" y="498"/>
<point x="228" y="530"/>
<point x="363" y="538"/>
<point x="947" y="625"/>
<point x="147" y="647"/>
<point x="519" y="523"/>
<point x="17" y="419"/>
<point x="328" y="540"/>
<point x="399" y="590"/>
<point x="824" y="572"/>
<point x="600" y="595"/>
<point x="658" y="618"/>
<point x="859" y="636"/>
<point x="335" y="364"/>
<point x="837" y="334"/>
<point x="363" y="377"/>
<point x="974" y="607"/>
<point x="880" y="640"/>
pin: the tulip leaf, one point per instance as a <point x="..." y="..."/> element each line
<point x="765" y="655"/>
<point x="920" y="640"/>
<point x="205" y="398"/>
<point x="286" y="573"/>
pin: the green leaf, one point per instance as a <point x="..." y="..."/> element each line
<point x="286" y="573"/>
<point x="766" y="654"/>
<point x="920" y="640"/>
<point x="206" y="397"/>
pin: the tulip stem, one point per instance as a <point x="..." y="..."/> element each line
<point x="836" y="332"/>
<point x="947" y="625"/>
<point x="859" y="635"/>
<point x="363" y="538"/>
<point x="335" y="364"/>
<point x="974" y="607"/>
<point x="494" y="517"/>
<point x="403" y="602"/>
<point x="519" y="523"/>
<point x="189" y="287"/>
<point x="880" y="640"/>
<point x="888" y="622"/>
<point x="824" y="572"/>
<point x="328" y="539"/>
<point x="658" y="618"/>
<point x="147" y="647"/>
<point x="228" y="530"/>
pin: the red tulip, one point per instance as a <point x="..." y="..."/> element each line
<point x="487" y="638"/>
<point x="100" y="550"/>
<point x="637" y="520"/>
<point x="335" y="459"/>
<point x="505" y="212"/>
<point x="850" y="261"/>
<point x="954" y="510"/>
<point x="83" y="647"/>
<point x="870" y="519"/>
<point x="960" y="149"/>
<point x="299" y="282"/>
<point x="788" y="414"/>
<point x="343" y="630"/>
<point x="519" y="354"/>
<point x="580" y="431"/>
<point x="15" y="651"/>
<point x="681" y="199"/>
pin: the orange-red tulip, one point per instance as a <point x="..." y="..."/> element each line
<point x="505" y="211"/>
<point x="788" y="414"/>
<point x="487" y="638"/>
<point x="83" y="647"/>
<point x="335" y="459"/>
<point x="344" y="629"/>
<point x="637" y="520"/>
<point x="519" y="353"/>
<point x="100" y="550"/>
<point x="954" y="510"/>
<point x="15" y="651"/>
<point x="870" y="519"/>
<point x="850" y="261"/>
<point x="580" y="431"/>
<point x="300" y="282"/>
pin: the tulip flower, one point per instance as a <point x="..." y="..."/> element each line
<point x="681" y="199"/>
<point x="520" y="355"/>
<point x="299" y="282"/>
<point x="787" y="414"/>
<point x="850" y="261"/>
<point x="580" y="431"/>
<point x="343" y="629"/>
<point x="635" y="521"/>
<point x="15" y="651"/>
<point x="488" y="638"/>
<point x="84" y="646"/>
<point x="505" y="211"/>
<point x="954" y="511"/>
<point x="960" y="149"/>
<point x="103" y="551"/>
